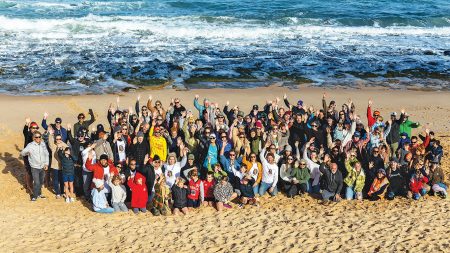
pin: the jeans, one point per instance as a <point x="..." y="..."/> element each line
<point x="136" y="210"/>
<point x="439" y="187"/>
<point x="291" y="189"/>
<point x="78" y="181"/>
<point x="315" y="189"/>
<point x="256" y="189"/>
<point x="87" y="181"/>
<point x="106" y="210"/>
<point x="417" y="196"/>
<point x="56" y="179"/>
<point x="38" y="180"/>
<point x="119" y="207"/>
<point x="264" y="187"/>
<point x="326" y="195"/>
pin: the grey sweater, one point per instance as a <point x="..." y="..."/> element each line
<point x="37" y="154"/>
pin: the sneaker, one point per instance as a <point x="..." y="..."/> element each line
<point x="33" y="199"/>
<point x="58" y="196"/>
<point x="42" y="197"/>
<point x="67" y="200"/>
<point x="227" y="205"/>
<point x="72" y="200"/>
<point x="241" y="205"/>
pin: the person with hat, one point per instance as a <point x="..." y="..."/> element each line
<point x="206" y="107"/>
<point x="247" y="194"/>
<point x="158" y="144"/>
<point x="190" y="165"/>
<point x="99" y="200"/>
<point x="38" y="158"/>
<point x="393" y="137"/>
<point x="298" y="109"/>
<point x="56" y="127"/>
<point x="407" y="125"/>
<point x="102" y="170"/>
<point x="212" y="152"/>
<point x="82" y="122"/>
<point x="371" y="118"/>
<point x="379" y="186"/>
<point x="102" y="145"/>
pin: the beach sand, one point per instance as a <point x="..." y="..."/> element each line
<point x="279" y="225"/>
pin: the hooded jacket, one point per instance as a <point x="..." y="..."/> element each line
<point x="139" y="192"/>
<point x="416" y="183"/>
<point x="354" y="179"/>
<point x="37" y="154"/>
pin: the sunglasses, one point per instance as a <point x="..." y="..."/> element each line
<point x="272" y="148"/>
<point x="303" y="164"/>
<point x="290" y="159"/>
<point x="124" y="129"/>
<point x="58" y="122"/>
<point x="232" y="154"/>
<point x="157" y="161"/>
<point x="223" y="137"/>
<point x="58" y="139"/>
<point x="35" y="128"/>
<point x="253" y="156"/>
<point x="80" y="117"/>
<point x="158" y="104"/>
<point x="314" y="125"/>
<point x="212" y="138"/>
<point x="241" y="137"/>
<point x="37" y="137"/>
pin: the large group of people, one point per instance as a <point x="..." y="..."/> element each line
<point x="172" y="159"/>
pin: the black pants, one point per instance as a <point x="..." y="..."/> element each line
<point x="78" y="181"/>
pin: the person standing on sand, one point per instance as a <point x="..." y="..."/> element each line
<point x="82" y="122"/>
<point x="38" y="158"/>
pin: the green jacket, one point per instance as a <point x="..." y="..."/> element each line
<point x="302" y="175"/>
<point x="353" y="178"/>
<point x="406" y="127"/>
<point x="218" y="174"/>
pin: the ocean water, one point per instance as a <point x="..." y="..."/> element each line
<point x="72" y="47"/>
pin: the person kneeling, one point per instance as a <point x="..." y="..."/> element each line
<point x="436" y="177"/>
<point x="99" y="202"/>
<point x="179" y="197"/>
<point x="247" y="193"/>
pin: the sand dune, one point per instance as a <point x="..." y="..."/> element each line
<point x="279" y="225"/>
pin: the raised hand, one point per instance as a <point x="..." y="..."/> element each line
<point x="370" y="102"/>
<point x="150" y="97"/>
<point x="45" y="115"/>
<point x="285" y="96"/>
<point x="196" y="96"/>
<point x="27" y="121"/>
<point x="228" y="103"/>
<point x="69" y="127"/>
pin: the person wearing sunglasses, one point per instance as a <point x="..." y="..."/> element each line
<point x="38" y="157"/>
<point x="56" y="127"/>
<point x="28" y="132"/>
<point x="57" y="179"/>
<point x="156" y="108"/>
<point x="82" y="122"/>
<point x="300" y="178"/>
<point x="355" y="179"/>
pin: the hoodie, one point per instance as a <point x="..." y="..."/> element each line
<point x="139" y="192"/>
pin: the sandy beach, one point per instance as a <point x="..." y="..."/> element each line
<point x="279" y="225"/>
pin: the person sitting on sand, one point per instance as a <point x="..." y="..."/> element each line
<point x="162" y="195"/>
<point x="418" y="185"/>
<point x="379" y="186"/>
<point x="396" y="180"/>
<point x="332" y="180"/>
<point x="355" y="178"/>
<point x="437" y="180"/>
<point x="224" y="194"/>
<point x="270" y="173"/>
<point x="99" y="202"/>
<point x="118" y="194"/>
<point x="301" y="176"/>
<point x="246" y="189"/>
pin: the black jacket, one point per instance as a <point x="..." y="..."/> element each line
<point x="247" y="189"/>
<point x="179" y="196"/>
<point x="396" y="182"/>
<point x="394" y="134"/>
<point x="67" y="163"/>
<point x="331" y="182"/>
<point x="149" y="173"/>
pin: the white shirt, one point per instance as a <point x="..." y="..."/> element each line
<point x="270" y="171"/>
<point x="254" y="171"/>
<point x="121" y="150"/>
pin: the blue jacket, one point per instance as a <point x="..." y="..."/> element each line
<point x="62" y="131"/>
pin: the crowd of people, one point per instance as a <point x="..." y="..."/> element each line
<point x="172" y="159"/>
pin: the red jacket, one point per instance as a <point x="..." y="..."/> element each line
<point x="139" y="192"/>
<point x="416" y="184"/>
<point x="98" y="169"/>
<point x="194" y="189"/>
<point x="370" y="119"/>
<point x="208" y="188"/>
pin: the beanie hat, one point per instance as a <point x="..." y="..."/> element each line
<point x="97" y="182"/>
